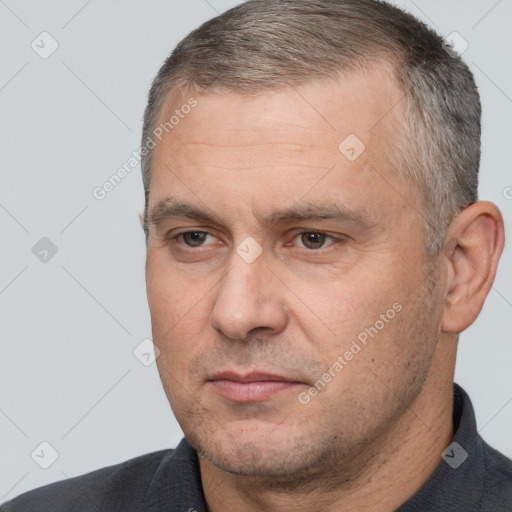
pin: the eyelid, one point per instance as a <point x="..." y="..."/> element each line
<point x="175" y="236"/>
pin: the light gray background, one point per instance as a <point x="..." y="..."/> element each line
<point x="70" y="325"/>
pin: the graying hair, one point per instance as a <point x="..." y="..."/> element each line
<point x="262" y="45"/>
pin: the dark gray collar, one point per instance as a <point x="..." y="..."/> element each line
<point x="457" y="483"/>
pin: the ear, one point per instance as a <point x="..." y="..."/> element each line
<point x="473" y="247"/>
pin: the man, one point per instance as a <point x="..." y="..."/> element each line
<point x="314" y="248"/>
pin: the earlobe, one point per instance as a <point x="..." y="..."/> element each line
<point x="473" y="247"/>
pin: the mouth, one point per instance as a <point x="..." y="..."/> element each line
<point x="252" y="387"/>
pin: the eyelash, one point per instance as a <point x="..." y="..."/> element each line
<point x="299" y="234"/>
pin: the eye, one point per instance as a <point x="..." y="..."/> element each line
<point x="195" y="238"/>
<point x="313" y="239"/>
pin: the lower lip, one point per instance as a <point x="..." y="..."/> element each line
<point x="256" y="391"/>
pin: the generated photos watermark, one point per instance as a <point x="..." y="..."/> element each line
<point x="356" y="347"/>
<point x="101" y="191"/>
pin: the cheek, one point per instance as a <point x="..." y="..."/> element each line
<point x="179" y="314"/>
<point x="171" y="296"/>
<point x="180" y="343"/>
<point x="178" y="325"/>
<point x="341" y="308"/>
<point x="362" y="323"/>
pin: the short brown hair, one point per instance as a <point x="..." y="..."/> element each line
<point x="267" y="44"/>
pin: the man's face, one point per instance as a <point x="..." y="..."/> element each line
<point x="303" y="255"/>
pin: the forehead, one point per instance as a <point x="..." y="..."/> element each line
<point x="366" y="103"/>
<point x="277" y="141"/>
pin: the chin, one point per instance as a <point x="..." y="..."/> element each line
<point x="280" y="459"/>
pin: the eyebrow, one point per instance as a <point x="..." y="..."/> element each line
<point x="304" y="211"/>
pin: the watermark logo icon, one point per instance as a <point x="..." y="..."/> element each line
<point x="44" y="45"/>
<point x="455" y="44"/>
<point x="351" y="147"/>
<point x="44" y="455"/>
<point x="44" y="250"/>
<point x="249" y="250"/>
<point x="146" y="352"/>
<point x="454" y="455"/>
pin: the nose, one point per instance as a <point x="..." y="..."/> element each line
<point x="249" y="298"/>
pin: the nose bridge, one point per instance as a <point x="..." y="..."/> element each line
<point x="247" y="298"/>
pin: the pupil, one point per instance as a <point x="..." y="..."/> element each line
<point x="194" y="238"/>
<point x="313" y="240"/>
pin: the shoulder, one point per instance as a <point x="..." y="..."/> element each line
<point x="497" y="488"/>
<point x="120" y="487"/>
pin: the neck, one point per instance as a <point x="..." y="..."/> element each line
<point x="399" y="463"/>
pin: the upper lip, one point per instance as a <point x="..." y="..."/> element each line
<point x="251" y="377"/>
